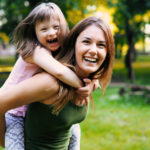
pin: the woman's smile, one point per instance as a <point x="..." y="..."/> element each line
<point x="90" y="59"/>
<point x="90" y="50"/>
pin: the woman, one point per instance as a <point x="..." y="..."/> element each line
<point x="54" y="106"/>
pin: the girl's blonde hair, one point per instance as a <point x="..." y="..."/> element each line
<point x="24" y="34"/>
<point x="104" y="73"/>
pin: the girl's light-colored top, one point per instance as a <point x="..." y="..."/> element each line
<point x="21" y="71"/>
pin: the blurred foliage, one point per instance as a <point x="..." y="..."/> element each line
<point x="135" y="14"/>
<point x="140" y="66"/>
<point x="4" y="38"/>
<point x="12" y="12"/>
<point x="130" y="18"/>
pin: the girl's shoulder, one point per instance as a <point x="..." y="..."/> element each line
<point x="22" y="64"/>
<point x="23" y="70"/>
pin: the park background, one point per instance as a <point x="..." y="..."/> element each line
<point x="121" y="120"/>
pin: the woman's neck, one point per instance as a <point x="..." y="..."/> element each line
<point x="81" y="73"/>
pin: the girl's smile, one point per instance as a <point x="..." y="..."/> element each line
<point x="47" y="32"/>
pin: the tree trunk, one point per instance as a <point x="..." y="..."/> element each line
<point x="130" y="54"/>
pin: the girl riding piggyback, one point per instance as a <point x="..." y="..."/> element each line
<point x="39" y="39"/>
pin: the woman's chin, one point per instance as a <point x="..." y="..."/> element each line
<point x="90" y="70"/>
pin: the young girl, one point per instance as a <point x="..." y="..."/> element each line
<point x="37" y="37"/>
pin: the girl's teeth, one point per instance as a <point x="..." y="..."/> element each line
<point x="52" y="41"/>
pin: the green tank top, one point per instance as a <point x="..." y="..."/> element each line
<point x="47" y="131"/>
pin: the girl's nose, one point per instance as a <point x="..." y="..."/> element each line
<point x="51" y="32"/>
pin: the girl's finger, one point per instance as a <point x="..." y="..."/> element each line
<point x="87" y="81"/>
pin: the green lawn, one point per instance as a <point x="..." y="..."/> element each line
<point x="119" y="123"/>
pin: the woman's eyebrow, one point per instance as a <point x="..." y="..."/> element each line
<point x="104" y="42"/>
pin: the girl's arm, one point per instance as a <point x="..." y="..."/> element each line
<point x="38" y="88"/>
<point x="46" y="61"/>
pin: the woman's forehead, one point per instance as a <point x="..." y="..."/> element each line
<point x="92" y="31"/>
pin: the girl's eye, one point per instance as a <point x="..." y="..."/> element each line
<point x="43" y="29"/>
<point x="56" y="27"/>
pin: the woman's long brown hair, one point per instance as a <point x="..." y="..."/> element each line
<point x="104" y="73"/>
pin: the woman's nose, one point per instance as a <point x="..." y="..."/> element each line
<point x="93" y="49"/>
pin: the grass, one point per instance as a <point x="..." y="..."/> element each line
<point x="119" y="123"/>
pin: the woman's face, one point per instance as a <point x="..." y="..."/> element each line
<point x="90" y="50"/>
<point x="47" y="33"/>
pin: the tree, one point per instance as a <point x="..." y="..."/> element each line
<point x="14" y="11"/>
<point x="126" y="18"/>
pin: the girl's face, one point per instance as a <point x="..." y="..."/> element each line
<point x="90" y="50"/>
<point x="47" y="33"/>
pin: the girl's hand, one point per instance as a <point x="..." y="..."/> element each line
<point x="84" y="93"/>
<point x="96" y="84"/>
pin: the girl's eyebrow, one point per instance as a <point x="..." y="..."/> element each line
<point x="87" y="38"/>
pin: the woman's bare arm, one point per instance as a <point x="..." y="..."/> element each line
<point x="46" y="61"/>
<point x="38" y="88"/>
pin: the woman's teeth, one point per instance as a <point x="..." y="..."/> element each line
<point x="93" y="60"/>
